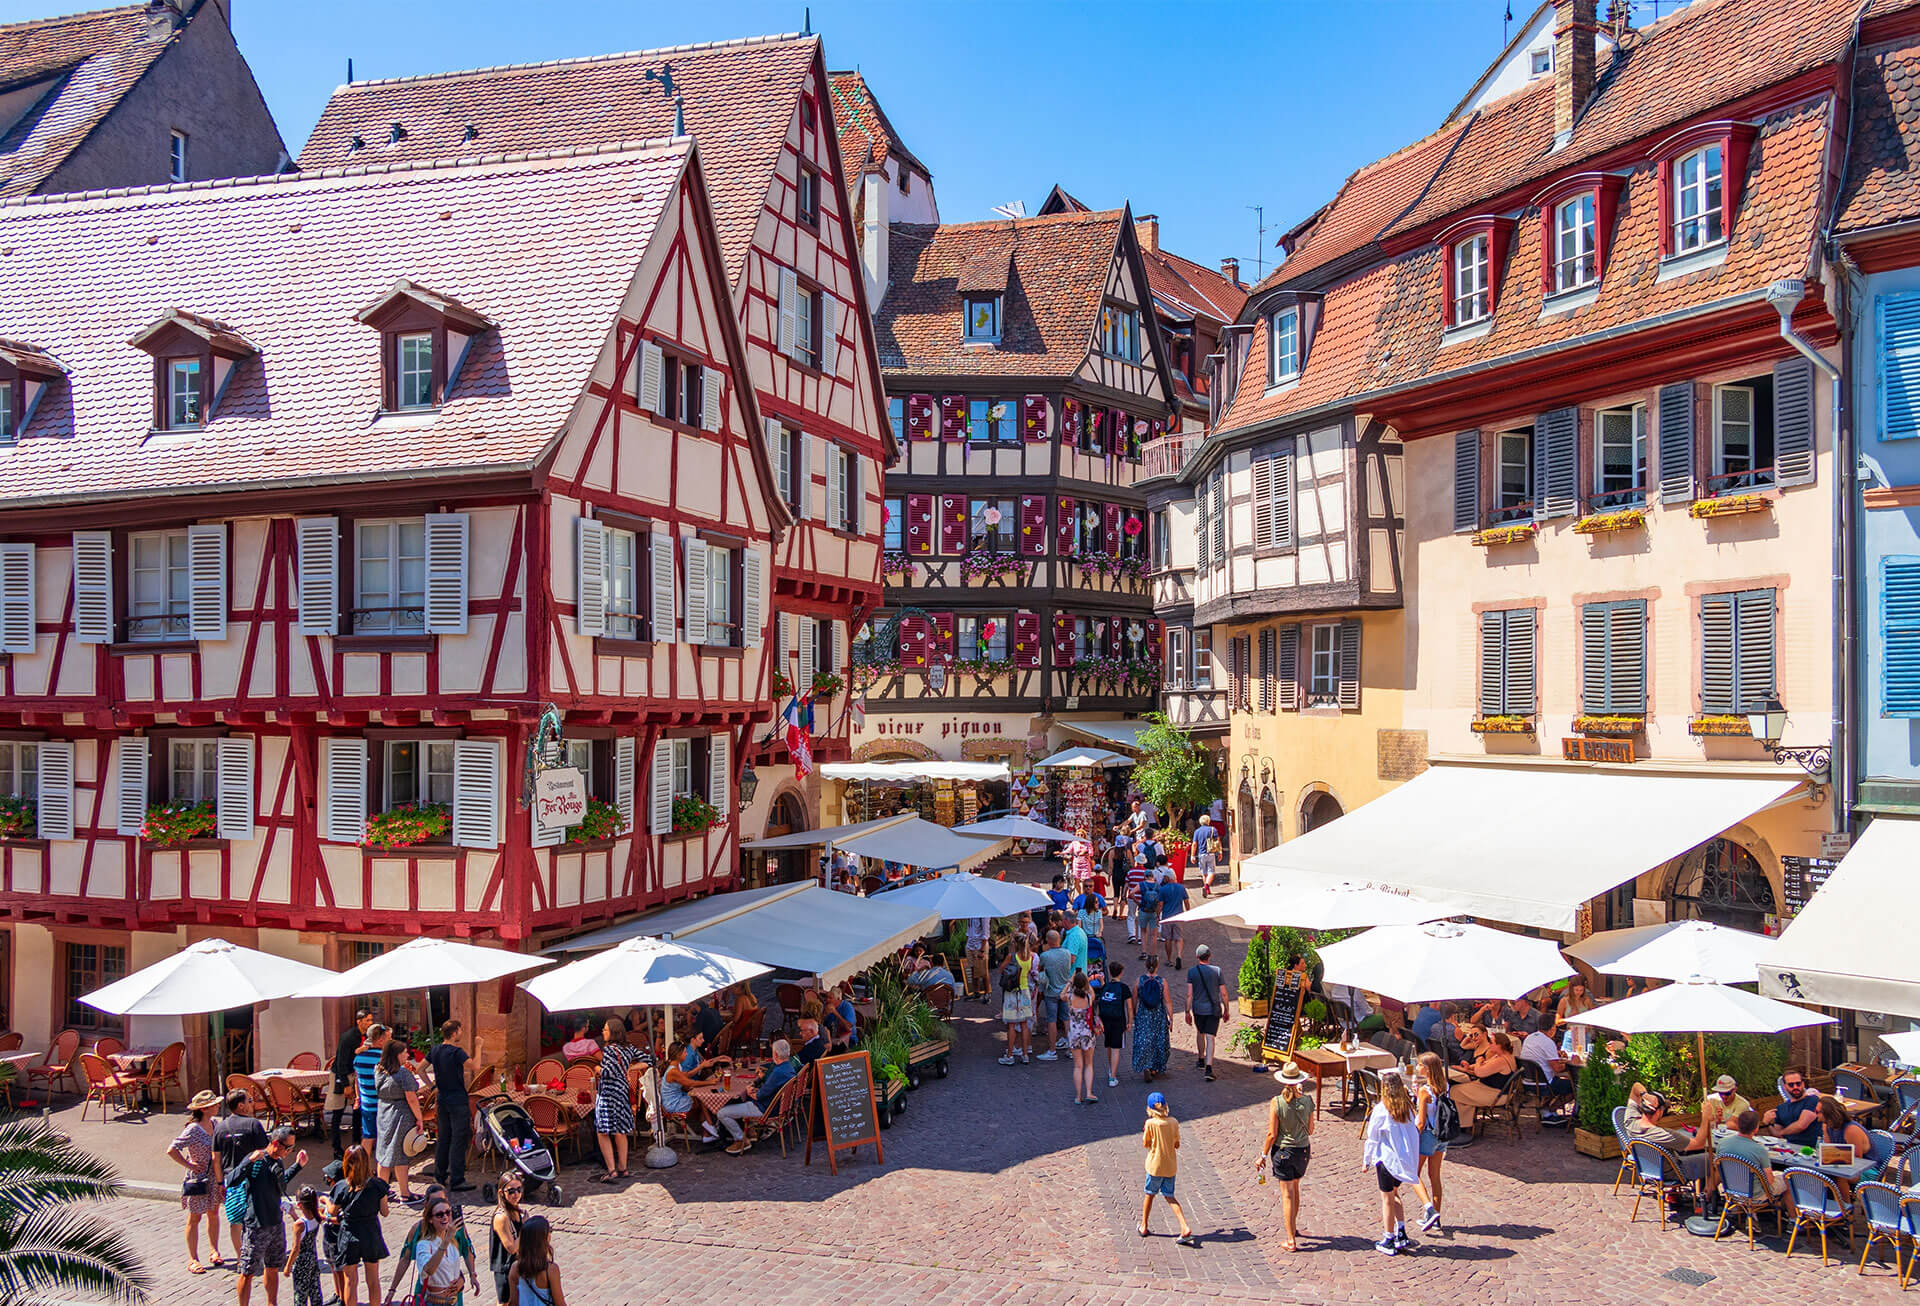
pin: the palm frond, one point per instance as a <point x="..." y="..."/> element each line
<point x="46" y="1246"/>
<point x="38" y="1166"/>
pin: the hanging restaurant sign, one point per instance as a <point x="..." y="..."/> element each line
<point x="560" y="797"/>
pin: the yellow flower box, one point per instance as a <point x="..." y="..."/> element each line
<point x="1730" y="505"/>
<point x="1517" y="533"/>
<point x="1735" y="727"/>
<point x="1610" y="725"/>
<point x="1503" y="725"/>
<point x="1600" y="523"/>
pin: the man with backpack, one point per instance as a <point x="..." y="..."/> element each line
<point x="255" y="1190"/>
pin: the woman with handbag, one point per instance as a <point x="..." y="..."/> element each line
<point x="200" y="1192"/>
<point x="436" y="1259"/>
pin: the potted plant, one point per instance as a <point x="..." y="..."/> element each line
<point x="1246" y="1041"/>
<point x="1602" y="1088"/>
<point x="17" y="819"/>
<point x="170" y="824"/>
<point x="825" y="684"/>
<point x="602" y="821"/>
<point x="407" y="824"/>
<point x="693" y="814"/>
<point x="1256" y="978"/>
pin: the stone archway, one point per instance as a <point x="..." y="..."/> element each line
<point x="887" y="750"/>
<point x="1722" y="881"/>
<point x="1269" y="818"/>
<point x="1318" y="806"/>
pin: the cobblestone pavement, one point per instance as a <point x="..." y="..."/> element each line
<point x="998" y="1189"/>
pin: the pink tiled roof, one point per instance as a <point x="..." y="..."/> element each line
<point x="100" y="54"/>
<point x="543" y="246"/>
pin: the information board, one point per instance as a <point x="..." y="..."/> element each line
<point x="1802" y="878"/>
<point x="843" y="1114"/>
<point x="1283" y="1015"/>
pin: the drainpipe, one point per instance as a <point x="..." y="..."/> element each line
<point x="1784" y="296"/>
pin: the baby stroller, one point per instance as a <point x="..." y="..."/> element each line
<point x="1096" y="956"/>
<point x="508" y="1129"/>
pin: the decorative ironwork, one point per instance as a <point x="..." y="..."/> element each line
<point x="546" y="748"/>
<point x="1721" y="882"/>
<point x="881" y="647"/>
<point x="1815" y="759"/>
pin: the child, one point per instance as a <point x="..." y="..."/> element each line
<point x="1392" y="1148"/>
<point x="1161" y="1138"/>
<point x="303" y="1262"/>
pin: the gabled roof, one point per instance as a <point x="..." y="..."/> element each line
<point x="1058" y="201"/>
<point x="220" y="338"/>
<point x="867" y="137"/>
<point x="739" y="98"/>
<point x="1882" y="183"/>
<point x="546" y="245"/>
<point x="92" y="60"/>
<point x="1191" y="288"/>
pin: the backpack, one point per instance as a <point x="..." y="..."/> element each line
<point x="1010" y="976"/>
<point x="1153" y="993"/>
<point x="239" y="1200"/>
<point x="1446" y="1118"/>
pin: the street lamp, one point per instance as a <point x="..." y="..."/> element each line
<point x="749" y="784"/>
<point x="1768" y="721"/>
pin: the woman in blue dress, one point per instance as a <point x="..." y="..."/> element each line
<point x="1150" y="1048"/>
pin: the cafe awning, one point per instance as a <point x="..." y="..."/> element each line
<point x="1851" y="945"/>
<point x="907" y="772"/>
<point x="1526" y="845"/>
<point x="1067" y="757"/>
<point x="816" y="838"/>
<point x="914" y="842"/>
<point x="1121" y="734"/>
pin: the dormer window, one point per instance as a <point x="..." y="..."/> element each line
<point x="185" y="393"/>
<point x="25" y="373"/>
<point x="1701" y="173"/>
<point x="6" y="411"/>
<point x="1471" y="282"/>
<point x="1697" y="197"/>
<point x="1475" y="259"/>
<point x="1573" y="243"/>
<point x="982" y="318"/>
<point x="424" y="342"/>
<point x="1283" y="345"/>
<point x="415" y="364"/>
<point x="194" y="361"/>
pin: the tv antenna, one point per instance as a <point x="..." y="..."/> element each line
<point x="1260" y="242"/>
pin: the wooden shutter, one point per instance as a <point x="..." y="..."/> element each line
<point x="1627" y="656"/>
<point x="753" y="596"/>
<point x="779" y="456"/>
<point x="809" y="654"/>
<point x="1350" y="664"/>
<point x="1033" y="419"/>
<point x="16" y="598"/>
<point x="623" y="781"/>
<point x="1753" y="681"/>
<point x="856" y="494"/>
<point x="1263" y="503"/>
<point x="1493" y="663"/>
<point x="660" y="789"/>
<point x="1716" y="653"/>
<point x="53" y="807"/>
<point x="953" y="417"/>
<point x="789" y="309"/>
<point x="1267" y="658"/>
<point x="1556" y="463"/>
<point x="590" y="576"/>
<point x="1069" y="421"/>
<point x="1026" y="639"/>
<point x="1110" y="535"/>
<point x="1201" y="531"/>
<point x="233" y="791"/>
<point x="1033" y="525"/>
<point x="803" y="480"/>
<point x="710" y="382"/>
<point x="660" y="599"/>
<point x="1900" y="635"/>
<point x="1466" y="481"/>
<point x="1063" y="658"/>
<point x="539" y="833"/>
<point x="953" y="524"/>
<point x="915" y="634"/>
<point x="1217" y="518"/>
<point x="919" y="523"/>
<point x="130" y="757"/>
<point x="1676" y="443"/>
<point x="919" y="417"/>
<point x="1897" y="319"/>
<point x="1065" y="513"/>
<point x="1289" y="668"/>
<point x="476" y="793"/>
<point x="1236" y="675"/>
<point x="1521" y="673"/>
<point x="1594" y="695"/>
<point x="446" y="573"/>
<point x="943" y="640"/>
<point x="694" y="607"/>
<point x="719" y="773"/>
<point x="829" y="334"/>
<point x="653" y="366"/>
<point x="836" y="469"/>
<point x="207" y="581"/>
<point x="93" y="587"/>
<point x="317" y="550"/>
<point x="344" y="816"/>
<point x="1793" y="462"/>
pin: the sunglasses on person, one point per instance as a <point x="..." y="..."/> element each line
<point x="1796" y="1085"/>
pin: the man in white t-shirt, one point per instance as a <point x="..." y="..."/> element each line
<point x="1545" y="1053"/>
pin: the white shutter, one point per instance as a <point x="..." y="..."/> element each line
<point x="835" y="469"/>
<point x="803" y="480"/>
<point x="719" y="773"/>
<point x="829" y="333"/>
<point x="344" y="817"/>
<point x="317" y="543"/>
<point x="207" y="581"/>
<point x="476" y="793"/>
<point x="446" y="573"/>
<point x="696" y="598"/>
<point x="53" y="808"/>
<point x="709" y="399"/>
<point x="131" y="753"/>
<point x="652" y="367"/>
<point x="590" y="576"/>
<point x="538" y="833"/>
<point x="233" y="795"/>
<point x="623" y="782"/>
<point x="16" y="598"/>
<point x="660" y="559"/>
<point x="777" y="457"/>
<point x="789" y="309"/>
<point x="660" y="789"/>
<point x="809" y="653"/>
<point x="93" y="587"/>
<point x="782" y="642"/>
<point x="752" y="597"/>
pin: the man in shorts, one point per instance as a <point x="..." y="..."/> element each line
<point x="1205" y="850"/>
<point x="1056" y="971"/>
<point x="1206" y="1002"/>
<point x="1173" y="901"/>
<point x="263" y="1229"/>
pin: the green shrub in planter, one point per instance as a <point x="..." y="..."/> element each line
<point x="1256" y="969"/>
<point x="1602" y="1088"/>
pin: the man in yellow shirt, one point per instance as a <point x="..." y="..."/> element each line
<point x="1161" y="1138"/>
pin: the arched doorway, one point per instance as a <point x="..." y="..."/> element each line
<point x="793" y="863"/>
<point x="1317" y="809"/>
<point x="1245" y="819"/>
<point x="1721" y="882"/>
<point x="1269" y="819"/>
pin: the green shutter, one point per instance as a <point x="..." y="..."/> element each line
<point x="1753" y="648"/>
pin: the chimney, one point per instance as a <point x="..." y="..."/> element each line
<point x="1574" y="30"/>
<point x="1148" y="225"/>
<point x="164" y="18"/>
<point x="1230" y="269"/>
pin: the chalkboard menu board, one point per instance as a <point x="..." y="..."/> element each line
<point x="1283" y="1015"/>
<point x="843" y="1114"/>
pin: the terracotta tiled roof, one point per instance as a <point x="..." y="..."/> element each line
<point x="1195" y="288"/>
<point x="739" y="98"/>
<point x="543" y="246"/>
<point x="867" y="138"/>
<point x="1883" y="171"/>
<point x="98" y="57"/>
<point x="1052" y="302"/>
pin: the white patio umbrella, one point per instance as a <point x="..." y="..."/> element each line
<point x="1676" y="950"/>
<point x="1341" y="906"/>
<point x="1104" y="757"/>
<point x="1698" y="1006"/>
<point x="642" y="972"/>
<point x="1014" y="827"/>
<point x="1443" y="961"/>
<point x="1905" y="1045"/>
<point x="423" y="964"/>
<point x="964" y="895"/>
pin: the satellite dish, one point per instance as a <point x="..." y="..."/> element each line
<point x="1012" y="209"/>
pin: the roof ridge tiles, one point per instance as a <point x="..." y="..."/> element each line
<point x="693" y="47"/>
<point x="84" y="16"/>
<point x="1088" y="216"/>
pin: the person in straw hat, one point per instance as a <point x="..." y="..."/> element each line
<point x="1287" y="1146"/>
<point x="200" y="1192"/>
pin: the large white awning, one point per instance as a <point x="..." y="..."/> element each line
<point x="1850" y="945"/>
<point x="914" y="842"/>
<point x="1526" y="845"/>
<point x="1124" y="734"/>
<point x="905" y="772"/>
<point x="829" y="834"/>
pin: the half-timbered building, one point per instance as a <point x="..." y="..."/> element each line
<point x="316" y="492"/>
<point x="763" y="114"/>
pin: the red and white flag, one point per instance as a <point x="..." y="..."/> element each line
<point x="799" y="742"/>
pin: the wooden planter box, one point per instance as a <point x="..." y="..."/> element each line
<point x="1604" y="1147"/>
<point x="925" y="1059"/>
<point x="1252" y="1008"/>
<point x="890" y="1100"/>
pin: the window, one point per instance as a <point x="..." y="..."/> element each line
<point x="1613" y="657"/>
<point x="1203" y="659"/>
<point x="89" y="966"/>
<point x="682" y="390"/>
<point x="825" y="644"/>
<point x="720" y="625"/>
<point x="19" y="770"/>
<point x="1573" y="243"/>
<point x="982" y="317"/>
<point x="1120" y="332"/>
<point x="1540" y="61"/>
<point x="1514" y="489"/>
<point x="981" y="638"/>
<point x="183" y="392"/>
<point x="990" y="421"/>
<point x="176" y="156"/>
<point x="806" y="325"/>
<point x="193" y="770"/>
<point x="625" y="562"/>
<point x="1162" y="541"/>
<point x="1507" y="662"/>
<point x="1283" y="346"/>
<point x="809" y="196"/>
<point x="990" y="525"/>
<point x="897" y="419"/>
<point x="1176" y="657"/>
<point x="1471" y="268"/>
<point x="157" y="586"/>
<point x="1697" y="216"/>
<point x="1620" y="457"/>
<point x="1736" y="651"/>
<point x="893" y="524"/>
<point x="1323" y="683"/>
<point x="1087" y="636"/>
<point x="1742" y="436"/>
<point x="418" y="771"/>
<point x="1089" y="535"/>
<point x="843" y="486"/>
<point x="414" y="370"/>
<point x="683" y="768"/>
<point x="6" y="409"/>
<point x="390" y="577"/>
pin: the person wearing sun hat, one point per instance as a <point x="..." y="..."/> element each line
<point x="200" y="1192"/>
<point x="1161" y="1138"/>
<point x="1288" y="1144"/>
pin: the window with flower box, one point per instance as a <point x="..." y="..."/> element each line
<point x="193" y="771"/>
<point x="19" y="770"/>
<point x="990" y="421"/>
<point x="1513" y="476"/>
<point x="1619" y="458"/>
<point x="893" y="524"/>
<point x="980" y="637"/>
<point x="417" y="771"/>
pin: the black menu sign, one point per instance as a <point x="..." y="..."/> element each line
<point x="843" y="1113"/>
<point x="1283" y="1014"/>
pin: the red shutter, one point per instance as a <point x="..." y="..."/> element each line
<point x="1154" y="644"/>
<point x="1119" y="430"/>
<point x="1110" y="515"/>
<point x="1033" y="416"/>
<point x="953" y="417"/>
<point x="953" y="523"/>
<point x="942" y="636"/>
<point x="919" y="523"/>
<point x="1026" y="639"/>
<point x="1062" y="641"/>
<point x="919" y="417"/>
<point x="1063" y="511"/>
<point x="1069" y="421"/>
<point x="1033" y="525"/>
<point x="1113" y="637"/>
<point x="914" y="634"/>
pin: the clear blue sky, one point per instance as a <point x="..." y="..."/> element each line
<point x="1193" y="110"/>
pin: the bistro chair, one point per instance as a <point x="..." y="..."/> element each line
<point x="1910" y="1225"/>
<point x="1744" y="1191"/>
<point x="1906" y="1092"/>
<point x="552" y="1121"/>
<point x="164" y="1069"/>
<point x="673" y="1124"/>
<point x="104" y="1085"/>
<point x="304" y="1061"/>
<point x="1504" y="1110"/>
<point x="1881" y="1145"/>
<point x="1817" y="1203"/>
<point x="1903" y="1171"/>
<point x="940" y="998"/>
<point x="1881" y="1205"/>
<point x="790" y="997"/>
<point x="109" y="1047"/>
<point x="1849" y="1083"/>
<point x="262" y="1104"/>
<point x="58" y="1063"/>
<point x="482" y="1079"/>
<point x="545" y="1070"/>
<point x="1626" y="1153"/>
<point x="1369" y="1081"/>
<point x="11" y="1040"/>
<point x="786" y="1112"/>
<point x="1656" y="1171"/>
<point x="289" y="1107"/>
<point x="580" y="1078"/>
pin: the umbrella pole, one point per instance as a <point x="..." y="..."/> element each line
<point x="218" y="1026"/>
<point x="660" y="1156"/>
<point x="1700" y="1049"/>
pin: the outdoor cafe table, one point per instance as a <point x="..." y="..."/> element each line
<point x="1331" y="1059"/>
<point x="134" y="1061"/>
<point x="1786" y="1156"/>
<point x="303" y="1080"/>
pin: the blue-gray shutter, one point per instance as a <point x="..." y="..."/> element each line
<point x="1493" y="663"/>
<point x="1793" y="422"/>
<point x="1267" y="699"/>
<point x="1593" y="659"/>
<point x="1676" y="443"/>
<point x="1899" y="331"/>
<point x="1290" y="668"/>
<point x="1556" y="463"/>
<point x="1466" y="481"/>
<point x="1613" y="651"/>
<point x="1900" y="635"/>
<point x="1753" y="648"/>
<point x="1350" y="663"/>
<point x="1716" y="653"/>
<point x="1520" y="661"/>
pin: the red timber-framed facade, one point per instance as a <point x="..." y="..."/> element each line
<point x="763" y="113"/>
<point x="325" y="493"/>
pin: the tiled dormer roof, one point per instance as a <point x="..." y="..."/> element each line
<point x="1882" y="184"/>
<point x="544" y="246"/>
<point x="90" y="61"/>
<point x="739" y="99"/>
<point x="867" y="138"/>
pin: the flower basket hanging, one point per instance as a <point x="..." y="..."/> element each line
<point x="984" y="670"/>
<point x="895" y="564"/>
<point x="170" y="824"/>
<point x="406" y="825"/>
<point x="1515" y="533"/>
<point x="1730" y="505"/>
<point x="1503" y="725"/>
<point x="1602" y="523"/>
<point x="987" y="566"/>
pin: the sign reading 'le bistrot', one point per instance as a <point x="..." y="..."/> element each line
<point x="560" y="797"/>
